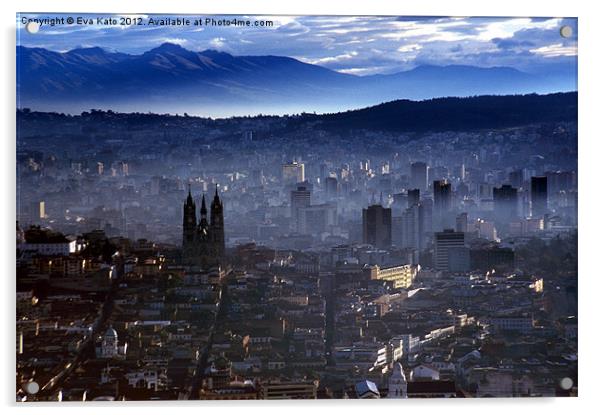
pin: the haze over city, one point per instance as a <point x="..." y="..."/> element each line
<point x="402" y="225"/>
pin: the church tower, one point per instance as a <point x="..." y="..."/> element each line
<point x="217" y="226"/>
<point x="189" y="222"/>
<point x="203" y="243"/>
<point x="110" y="344"/>
<point x="203" y="224"/>
<point x="398" y="386"/>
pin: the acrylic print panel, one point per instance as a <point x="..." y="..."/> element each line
<point x="295" y="207"/>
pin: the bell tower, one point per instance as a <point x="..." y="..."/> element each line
<point x="189" y="221"/>
<point x="217" y="226"/>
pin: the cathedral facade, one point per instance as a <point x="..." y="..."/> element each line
<point x="203" y="242"/>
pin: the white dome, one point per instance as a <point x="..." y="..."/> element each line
<point x="111" y="332"/>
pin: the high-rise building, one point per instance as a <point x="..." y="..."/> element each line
<point x="560" y="180"/>
<point x="332" y="187"/>
<point x="293" y="173"/>
<point x="516" y="178"/>
<point x="400" y="203"/>
<point x="458" y="259"/>
<point x="203" y="243"/>
<point x="505" y="203"/>
<point x="324" y="170"/>
<point x="317" y="218"/>
<point x="485" y="191"/>
<point x="444" y="241"/>
<point x="300" y="198"/>
<point x="539" y="195"/>
<point x="376" y="221"/>
<point x="418" y="175"/>
<point x="427" y="217"/>
<point x="37" y="211"/>
<point x="442" y="195"/>
<point x="413" y="197"/>
<point x="412" y="228"/>
<point x="462" y="222"/>
<point x="461" y="172"/>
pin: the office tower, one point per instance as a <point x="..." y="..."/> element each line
<point x="418" y="176"/>
<point x="462" y="222"/>
<point x="442" y="202"/>
<point x="257" y="177"/>
<point x="37" y="211"/>
<point x="300" y="198"/>
<point x="444" y="241"/>
<point x="485" y="191"/>
<point x="397" y="229"/>
<point x="427" y="218"/>
<point x="462" y="191"/>
<point x="316" y="219"/>
<point x="458" y="259"/>
<point x="516" y="178"/>
<point x="442" y="195"/>
<point x="539" y="195"/>
<point x="413" y="197"/>
<point x="400" y="203"/>
<point x="332" y="187"/>
<point x="413" y="228"/>
<point x="505" y="203"/>
<point x="385" y="184"/>
<point x="400" y="198"/>
<point x="323" y="170"/>
<point x="560" y="180"/>
<point x="376" y="221"/>
<point x="461" y="173"/>
<point x="293" y="173"/>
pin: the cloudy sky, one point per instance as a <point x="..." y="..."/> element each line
<point x="354" y="45"/>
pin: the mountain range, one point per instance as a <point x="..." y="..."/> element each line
<point x="172" y="79"/>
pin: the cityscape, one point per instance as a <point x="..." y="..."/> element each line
<point x="384" y="246"/>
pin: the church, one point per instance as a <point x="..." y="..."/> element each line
<point x="203" y="242"/>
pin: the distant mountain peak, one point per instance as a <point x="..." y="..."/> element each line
<point x="460" y="67"/>
<point x="168" y="47"/>
<point x="92" y="50"/>
<point x="171" y="76"/>
<point x="212" y="53"/>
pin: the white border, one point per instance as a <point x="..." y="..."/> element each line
<point x="590" y="150"/>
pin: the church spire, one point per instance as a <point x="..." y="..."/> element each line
<point x="189" y="200"/>
<point x="216" y="197"/>
<point x="203" y="207"/>
<point x="203" y="224"/>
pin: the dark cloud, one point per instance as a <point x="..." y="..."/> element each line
<point x="511" y="43"/>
